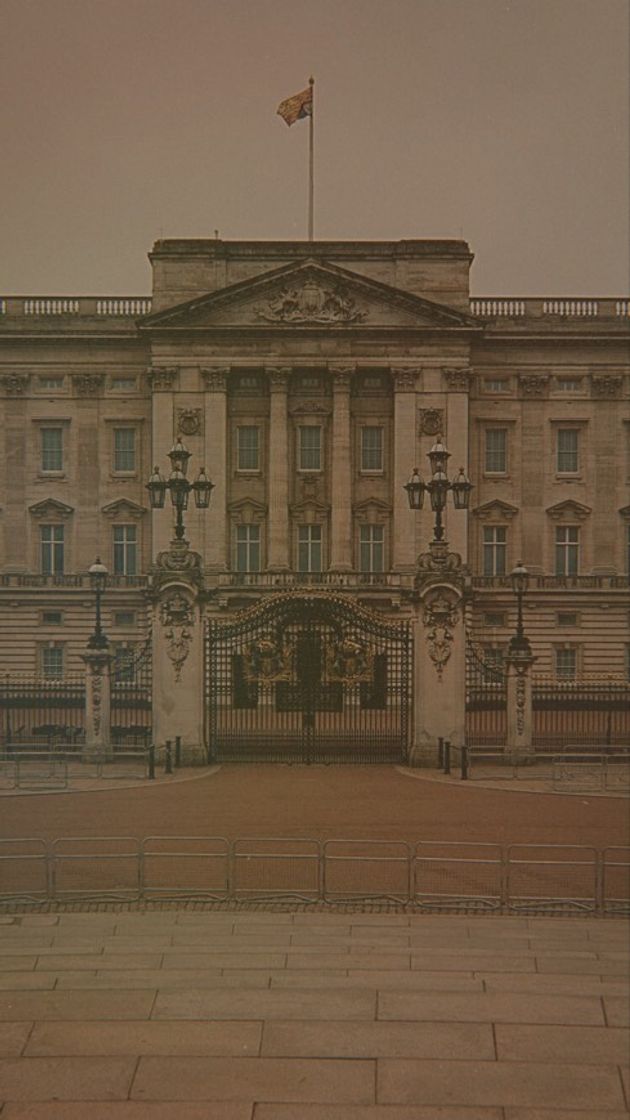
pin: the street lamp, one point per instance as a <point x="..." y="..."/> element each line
<point x="520" y="582"/>
<point x="98" y="579"/>
<point x="438" y="487"/>
<point x="179" y="487"/>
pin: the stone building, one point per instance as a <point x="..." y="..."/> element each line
<point x="309" y="379"/>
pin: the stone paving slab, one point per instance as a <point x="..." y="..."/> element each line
<point x="133" y="1110"/>
<point x="532" y="1084"/>
<point x="347" y="1005"/>
<point x="493" y="1007"/>
<point x="392" y="980"/>
<point x="593" y="1045"/>
<point x="16" y="1006"/>
<point x="124" y="1039"/>
<point x="73" y="1079"/>
<point x="446" y="1041"/>
<point x="140" y="980"/>
<point x="260" y="1079"/>
<point x="13" y="1038"/>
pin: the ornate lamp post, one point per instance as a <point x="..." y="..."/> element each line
<point x="98" y="579"/>
<point x="438" y="487"/>
<point x="519" y="576"/>
<point x="179" y="487"/>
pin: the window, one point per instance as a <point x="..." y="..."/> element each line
<point x="566" y="663"/>
<point x="569" y="384"/>
<point x="51" y="660"/>
<point x="52" y="618"/>
<point x="125" y="550"/>
<point x="310" y="448"/>
<point x="494" y="658"/>
<point x="248" y="448"/>
<point x="493" y="618"/>
<point x="371" y="449"/>
<point x="124" y="618"/>
<point x="371" y="548"/>
<point x="496" y="385"/>
<point x="628" y="549"/>
<point x="123" y="663"/>
<point x="567" y="618"/>
<point x="248" y="548"/>
<point x="52" y="449"/>
<point x="123" y="382"/>
<point x="308" y="383"/>
<point x="309" y="548"/>
<point x="124" y="450"/>
<point x="494" y="550"/>
<point x="51" y="549"/>
<point x="50" y="381"/>
<point x="567" y="451"/>
<point x="496" y="450"/>
<point x="567" y="545"/>
<point x="628" y="662"/>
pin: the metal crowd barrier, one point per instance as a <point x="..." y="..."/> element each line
<point x="431" y="875"/>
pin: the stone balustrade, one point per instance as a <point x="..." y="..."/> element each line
<point x="33" y="579"/>
<point x="540" y="582"/>
<point x="279" y="580"/>
<point x="83" y="306"/>
<point x="563" y="307"/>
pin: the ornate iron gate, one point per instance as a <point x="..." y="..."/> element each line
<point x="131" y="697"/>
<point x="308" y="677"/>
<point x="486" y="699"/>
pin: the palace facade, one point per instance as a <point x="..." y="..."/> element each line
<point x="309" y="379"/>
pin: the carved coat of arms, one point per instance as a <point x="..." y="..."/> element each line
<point x="349" y="662"/>
<point x="312" y="303"/>
<point x="267" y="660"/>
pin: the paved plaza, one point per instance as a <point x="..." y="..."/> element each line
<point x="191" y="1014"/>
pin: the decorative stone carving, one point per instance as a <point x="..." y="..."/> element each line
<point x="440" y="619"/>
<point x="51" y="508"/>
<point x="341" y="377"/>
<point x="404" y="378"/>
<point x="96" y="682"/>
<point x="215" y="378"/>
<point x="568" y="511"/>
<point x="162" y="378"/>
<point x="15" y="384"/>
<point x="278" y="377"/>
<point x="88" y="384"/>
<point x="124" y="508"/>
<point x="606" y="385"/>
<point x="176" y="616"/>
<point x="312" y="303"/>
<point x="431" y="421"/>
<point x="439" y="559"/>
<point x="533" y="384"/>
<point x="457" y="380"/>
<point x="180" y="559"/>
<point x="495" y="511"/>
<point x="189" y="421"/>
<point x="521" y="695"/>
<point x="309" y="407"/>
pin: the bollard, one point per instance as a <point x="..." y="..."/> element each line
<point x="151" y="761"/>
<point x="168" y="761"/>
<point x="440" y="752"/>
<point x="447" y="756"/>
<point x="464" y="763"/>
<point x="178" y="751"/>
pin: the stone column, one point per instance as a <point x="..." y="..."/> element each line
<point x="403" y="528"/>
<point x="519" y="664"/>
<point x="162" y="382"/>
<point x="341" y="479"/>
<point x="215" y="538"/>
<point x="442" y="588"/>
<point x="278" y="526"/>
<point x="97" y="703"/>
<point x="178" y="685"/>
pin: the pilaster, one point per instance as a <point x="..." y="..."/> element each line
<point x="341" y="488"/>
<point x="403" y="528"/>
<point x="278" y="527"/>
<point x="215" y="541"/>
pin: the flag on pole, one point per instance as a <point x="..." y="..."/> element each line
<point x="295" y="108"/>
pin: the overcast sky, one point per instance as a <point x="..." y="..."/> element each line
<point x="501" y="121"/>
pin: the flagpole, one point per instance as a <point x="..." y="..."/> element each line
<point x="311" y="182"/>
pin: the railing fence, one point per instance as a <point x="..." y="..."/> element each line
<point x="430" y="875"/>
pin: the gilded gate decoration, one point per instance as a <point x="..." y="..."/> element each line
<point x="308" y="676"/>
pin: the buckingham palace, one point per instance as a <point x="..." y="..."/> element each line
<point x="276" y="428"/>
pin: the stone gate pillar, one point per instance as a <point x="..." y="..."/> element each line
<point x="442" y="587"/>
<point x="178" y="687"/>
<point x="97" y="703"/>
<point x="519" y="662"/>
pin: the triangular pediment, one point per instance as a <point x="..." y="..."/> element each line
<point x="496" y="510"/>
<point x="309" y="295"/>
<point x="51" y="507"/>
<point x="123" y="507"/>
<point x="568" y="511"/>
<point x="309" y="505"/>
<point x="246" y="511"/>
<point x="625" y="512"/>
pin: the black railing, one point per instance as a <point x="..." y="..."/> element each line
<point x="42" y="711"/>
<point x="131" y="697"/>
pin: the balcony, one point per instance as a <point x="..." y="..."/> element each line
<point x="275" y="581"/>
<point x="552" y="310"/>
<point x="554" y="583"/>
<point x="34" y="580"/>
